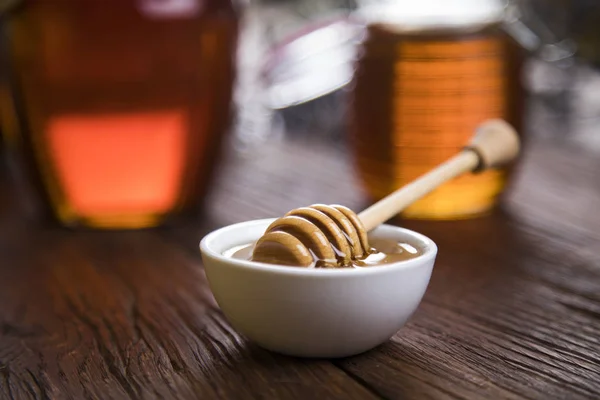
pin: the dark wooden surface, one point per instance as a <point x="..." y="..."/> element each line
<point x="512" y="311"/>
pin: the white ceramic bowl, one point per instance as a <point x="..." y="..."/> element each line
<point x="324" y="313"/>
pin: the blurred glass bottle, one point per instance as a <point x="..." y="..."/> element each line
<point x="120" y="106"/>
<point x="429" y="72"/>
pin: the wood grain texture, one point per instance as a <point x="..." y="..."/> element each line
<point x="513" y="306"/>
<point x="127" y="315"/>
<point x="512" y="311"/>
<point x="493" y="325"/>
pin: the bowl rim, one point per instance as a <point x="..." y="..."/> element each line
<point x="205" y="247"/>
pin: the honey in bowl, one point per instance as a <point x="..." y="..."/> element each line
<point x="383" y="252"/>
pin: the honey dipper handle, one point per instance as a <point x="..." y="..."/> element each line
<point x="395" y="202"/>
<point x="495" y="143"/>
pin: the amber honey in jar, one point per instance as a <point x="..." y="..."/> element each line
<point x="427" y="75"/>
<point x="119" y="105"/>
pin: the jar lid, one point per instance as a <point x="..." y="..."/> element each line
<point x="411" y="15"/>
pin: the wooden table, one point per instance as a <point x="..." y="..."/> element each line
<point x="512" y="310"/>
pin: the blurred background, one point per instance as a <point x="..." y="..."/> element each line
<point x="133" y="113"/>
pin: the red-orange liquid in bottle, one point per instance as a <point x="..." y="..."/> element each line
<point x="122" y="103"/>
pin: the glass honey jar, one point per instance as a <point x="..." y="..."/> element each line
<point x="118" y="108"/>
<point x="427" y="74"/>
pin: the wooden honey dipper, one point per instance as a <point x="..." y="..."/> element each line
<point x="334" y="235"/>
